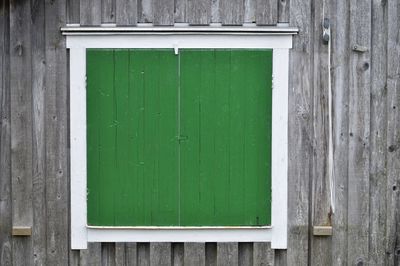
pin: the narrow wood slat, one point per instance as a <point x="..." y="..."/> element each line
<point x="359" y="134"/>
<point x="177" y="254"/>
<point x="126" y="12"/>
<point x="108" y="11"/>
<point x="143" y="254"/>
<point x="21" y="127"/>
<point x="266" y="12"/>
<point x="163" y="12"/>
<point x="108" y="254"/>
<point x="120" y="252"/>
<point x="340" y="86"/>
<point x="246" y="254"/>
<point x="211" y="254"/>
<point x="73" y="8"/>
<point x="300" y="130"/>
<point x="283" y="11"/>
<point x="131" y="257"/>
<point x="263" y="254"/>
<point x="249" y="11"/>
<point x="194" y="254"/>
<point x="160" y="254"/>
<point x="56" y="136"/>
<point x="5" y="138"/>
<point x="145" y="11"/>
<point x="90" y="12"/>
<point x="215" y="11"/>
<point x="91" y="255"/>
<point x="232" y="12"/>
<point x="280" y="257"/>
<point x="393" y="135"/>
<point x="198" y="12"/>
<point x="227" y="254"/>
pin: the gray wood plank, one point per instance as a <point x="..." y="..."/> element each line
<point x="359" y="134"/>
<point x="211" y="254"/>
<point x="266" y="12"/>
<point x="39" y="152"/>
<point x="5" y="139"/>
<point x="126" y="12"/>
<point x="90" y="12"/>
<point x="227" y="254"/>
<point x="194" y="254"/>
<point x="393" y="134"/>
<point x="160" y="254"/>
<point x="143" y="254"/>
<point x="107" y="11"/>
<point x="340" y="87"/>
<point x="56" y="136"/>
<point x="120" y="254"/>
<point x="108" y="254"/>
<point x="300" y="133"/>
<point x="21" y="128"/>
<point x="232" y="12"/>
<point x="177" y="254"/>
<point x="199" y="12"/>
<point x="131" y="254"/>
<point x="283" y="11"/>
<point x="91" y="255"/>
<point x="145" y="11"/>
<point x="73" y="8"/>
<point x="215" y="11"/>
<point x="263" y="254"/>
<point x="163" y="12"/>
<point x="321" y="200"/>
<point x="280" y="257"/>
<point x="180" y="11"/>
<point x="246" y="254"/>
<point x="378" y="141"/>
<point x="250" y="11"/>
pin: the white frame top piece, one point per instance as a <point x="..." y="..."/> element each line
<point x="277" y="38"/>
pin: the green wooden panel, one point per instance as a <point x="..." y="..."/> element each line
<point x="225" y="116"/>
<point x="179" y="139"/>
<point x="131" y="137"/>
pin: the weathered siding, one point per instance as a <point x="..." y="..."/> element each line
<point x="34" y="148"/>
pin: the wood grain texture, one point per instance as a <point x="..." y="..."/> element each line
<point x="160" y="254"/>
<point x="163" y="12"/>
<point x="126" y="12"/>
<point x="283" y="11"/>
<point x="108" y="11"/>
<point x="211" y="254"/>
<point x="198" y="12"/>
<point x="5" y="139"/>
<point x="250" y="11"/>
<point x="90" y="12"/>
<point x="392" y="236"/>
<point x="245" y="254"/>
<point x="232" y="12"/>
<point x="143" y="254"/>
<point x="194" y="254"/>
<point x="227" y="254"/>
<point x="266" y="12"/>
<point x="263" y="254"/>
<point x="177" y="254"/>
<point x="145" y="11"/>
<point x="73" y="9"/>
<point x="21" y="127"/>
<point x="180" y="11"/>
<point x="359" y="134"/>
<point x="56" y="136"/>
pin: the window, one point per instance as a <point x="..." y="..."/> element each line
<point x="178" y="137"/>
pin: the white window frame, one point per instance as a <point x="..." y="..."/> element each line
<point x="277" y="38"/>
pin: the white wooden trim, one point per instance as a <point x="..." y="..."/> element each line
<point x="276" y="233"/>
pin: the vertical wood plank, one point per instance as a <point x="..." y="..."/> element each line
<point x="180" y="11"/>
<point x="378" y="148"/>
<point x="321" y="193"/>
<point x="73" y="9"/>
<point x="39" y="153"/>
<point x="21" y="127"/>
<point x="232" y="12"/>
<point x="249" y="11"/>
<point x="91" y="255"/>
<point x="263" y="254"/>
<point x="227" y="254"/>
<point x="194" y="254"/>
<point x="300" y="132"/>
<point x="163" y="12"/>
<point x="108" y="254"/>
<point x="90" y="12"/>
<point x="246" y="254"/>
<point x="120" y="254"/>
<point x="126" y="12"/>
<point x="160" y="254"/>
<point x="215" y="11"/>
<point x="266" y="12"/>
<point x="108" y="11"/>
<point x="359" y="134"/>
<point x="131" y="254"/>
<point x="177" y="254"/>
<point x="340" y="88"/>
<point x="393" y="134"/>
<point x="56" y="135"/>
<point x="5" y="138"/>
<point x="145" y="11"/>
<point x="280" y="257"/>
<point x="143" y="254"/>
<point x="198" y="12"/>
<point x="283" y="11"/>
<point x="211" y="254"/>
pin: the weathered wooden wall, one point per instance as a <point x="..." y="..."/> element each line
<point x="34" y="148"/>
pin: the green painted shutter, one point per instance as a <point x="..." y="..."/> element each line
<point x="179" y="140"/>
